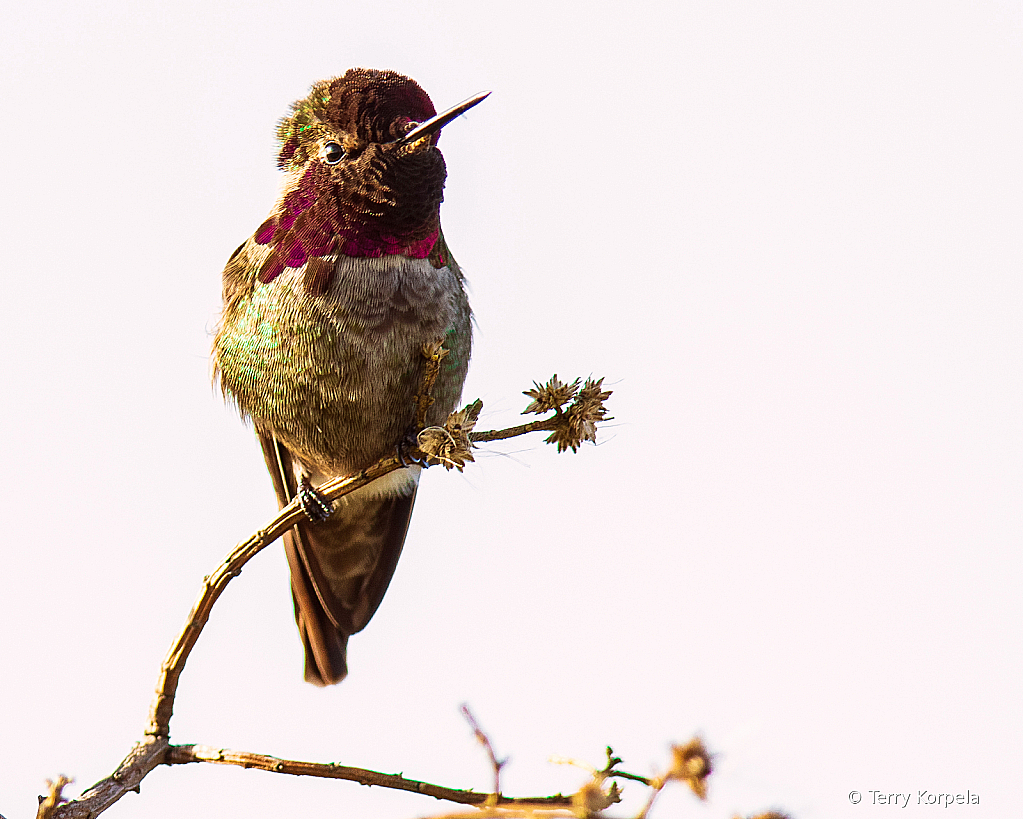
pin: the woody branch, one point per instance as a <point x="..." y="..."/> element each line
<point x="577" y="412"/>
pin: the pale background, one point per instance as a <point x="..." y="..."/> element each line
<point x="788" y="234"/>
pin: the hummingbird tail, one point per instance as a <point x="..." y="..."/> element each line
<point x="340" y="567"/>
<point x="326" y="647"/>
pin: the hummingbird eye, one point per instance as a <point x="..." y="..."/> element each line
<point x="333" y="153"/>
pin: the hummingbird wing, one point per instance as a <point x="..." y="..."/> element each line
<point x="340" y="567"/>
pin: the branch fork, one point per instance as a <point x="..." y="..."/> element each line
<point x="451" y="446"/>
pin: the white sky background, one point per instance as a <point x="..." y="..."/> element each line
<point x="787" y="233"/>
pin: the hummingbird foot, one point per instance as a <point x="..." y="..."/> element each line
<point x="406" y="446"/>
<point x="316" y="507"/>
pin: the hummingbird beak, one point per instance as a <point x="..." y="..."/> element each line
<point x="434" y="124"/>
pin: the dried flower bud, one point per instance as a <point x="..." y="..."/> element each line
<point x="591" y="799"/>
<point x="552" y="395"/>
<point x="434" y="350"/>
<point x="691" y="764"/>
<point x="449" y="445"/>
<point x="579" y="422"/>
<point x="461" y="423"/>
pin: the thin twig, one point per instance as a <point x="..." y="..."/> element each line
<point x="543" y="425"/>
<point x="611" y="769"/>
<point x="484" y="740"/>
<point x="634" y="777"/>
<point x="182" y="754"/>
<point x="655" y="790"/>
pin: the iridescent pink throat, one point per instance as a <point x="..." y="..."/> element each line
<point x="309" y="226"/>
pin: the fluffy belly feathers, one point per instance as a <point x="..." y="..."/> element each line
<point x="334" y="377"/>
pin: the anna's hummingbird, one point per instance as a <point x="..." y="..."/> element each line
<point x="327" y="307"/>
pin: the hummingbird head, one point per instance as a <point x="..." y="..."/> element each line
<point x="364" y="175"/>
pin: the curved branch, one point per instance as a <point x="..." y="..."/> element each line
<point x="154" y="749"/>
<point x="162" y="707"/>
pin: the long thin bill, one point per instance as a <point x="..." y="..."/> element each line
<point x="436" y="123"/>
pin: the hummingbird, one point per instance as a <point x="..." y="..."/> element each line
<point x="327" y="306"/>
